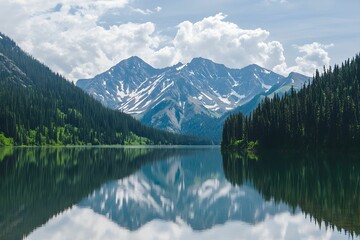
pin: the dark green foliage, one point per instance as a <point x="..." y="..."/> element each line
<point x="39" y="107"/>
<point x="39" y="183"/>
<point x="323" y="184"/>
<point x="325" y="113"/>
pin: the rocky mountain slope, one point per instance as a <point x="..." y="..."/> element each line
<point x="183" y="98"/>
<point x="39" y="107"/>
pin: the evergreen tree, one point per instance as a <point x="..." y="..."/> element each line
<point x="38" y="106"/>
<point x="324" y="113"/>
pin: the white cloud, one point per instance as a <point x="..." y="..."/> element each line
<point x="145" y="11"/>
<point x="37" y="7"/>
<point x="70" y="41"/>
<point x="141" y="11"/>
<point x="313" y="56"/>
<point x="223" y="42"/>
<point x="78" y="223"/>
<point x="68" y="38"/>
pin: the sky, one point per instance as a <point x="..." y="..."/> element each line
<point x="80" y="38"/>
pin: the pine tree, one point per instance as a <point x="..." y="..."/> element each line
<point x="324" y="113"/>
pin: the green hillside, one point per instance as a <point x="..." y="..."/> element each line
<point x="323" y="114"/>
<point x="40" y="107"/>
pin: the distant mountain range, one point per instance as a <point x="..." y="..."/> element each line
<point x="186" y="98"/>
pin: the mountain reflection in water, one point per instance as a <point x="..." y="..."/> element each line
<point x="173" y="193"/>
<point x="324" y="185"/>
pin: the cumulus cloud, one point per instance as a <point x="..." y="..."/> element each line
<point x="223" y="42"/>
<point x="67" y="37"/>
<point x="313" y="56"/>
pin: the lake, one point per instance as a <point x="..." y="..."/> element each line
<point x="177" y="193"/>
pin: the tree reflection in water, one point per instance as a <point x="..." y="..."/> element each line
<point x="325" y="185"/>
<point x="38" y="183"/>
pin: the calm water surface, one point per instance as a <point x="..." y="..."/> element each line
<point x="177" y="193"/>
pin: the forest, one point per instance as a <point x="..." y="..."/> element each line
<point x="40" y="107"/>
<point x="325" y="113"/>
<point x="38" y="183"/>
<point x="323" y="185"/>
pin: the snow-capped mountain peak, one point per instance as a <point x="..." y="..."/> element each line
<point x="181" y="97"/>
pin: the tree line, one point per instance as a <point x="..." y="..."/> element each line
<point x="324" y="113"/>
<point x="40" y="107"/>
<point x="324" y="185"/>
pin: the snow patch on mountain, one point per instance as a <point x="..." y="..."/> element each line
<point x="181" y="67"/>
<point x="178" y="98"/>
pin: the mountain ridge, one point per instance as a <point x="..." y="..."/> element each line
<point x="179" y="98"/>
<point x="40" y="107"/>
<point x="322" y="115"/>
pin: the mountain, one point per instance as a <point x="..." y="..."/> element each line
<point x="212" y="128"/>
<point x="134" y="87"/>
<point x="323" y="114"/>
<point x="13" y="74"/>
<point x="294" y="80"/>
<point x="75" y="173"/>
<point x="189" y="189"/>
<point x="185" y="98"/>
<point x="39" y="107"/>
